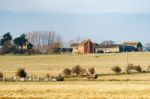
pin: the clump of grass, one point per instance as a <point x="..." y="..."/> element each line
<point x="116" y="69"/>
<point x="21" y="73"/>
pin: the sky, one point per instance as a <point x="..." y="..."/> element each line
<point x="99" y="20"/>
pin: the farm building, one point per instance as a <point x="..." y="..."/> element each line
<point x="137" y="45"/>
<point x="107" y="49"/>
<point x="74" y="46"/>
<point x="125" y="47"/>
<point x="84" y="47"/>
<point x="88" y="47"/>
<point x="26" y="47"/>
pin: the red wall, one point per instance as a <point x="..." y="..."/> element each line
<point x="88" y="47"/>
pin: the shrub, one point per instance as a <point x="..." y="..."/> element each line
<point x="129" y="68"/>
<point x="21" y="73"/>
<point x="77" y="70"/>
<point x="132" y="67"/>
<point x="116" y="69"/>
<point x="60" y="78"/>
<point x="138" y="68"/>
<point x="48" y="75"/>
<point x="1" y="75"/>
<point x="91" y="70"/>
<point x="67" y="72"/>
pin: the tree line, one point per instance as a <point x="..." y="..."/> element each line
<point x="31" y="42"/>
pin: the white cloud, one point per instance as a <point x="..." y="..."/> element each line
<point x="76" y="6"/>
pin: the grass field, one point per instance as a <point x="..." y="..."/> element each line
<point x="54" y="64"/>
<point x="76" y="90"/>
<point x="107" y="86"/>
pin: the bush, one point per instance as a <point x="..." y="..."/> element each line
<point x="48" y="75"/>
<point x="138" y="68"/>
<point x="77" y="70"/>
<point x="132" y="67"/>
<point x="60" y="78"/>
<point x="129" y="68"/>
<point x="1" y="75"/>
<point x="91" y="70"/>
<point x="21" y="73"/>
<point x="116" y="69"/>
<point x="67" y="72"/>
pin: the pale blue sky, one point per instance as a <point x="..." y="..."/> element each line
<point x="119" y="20"/>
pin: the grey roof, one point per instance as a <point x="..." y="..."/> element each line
<point x="108" y="46"/>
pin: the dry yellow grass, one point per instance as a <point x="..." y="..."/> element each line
<point x="76" y="90"/>
<point x="134" y="86"/>
<point x="54" y="64"/>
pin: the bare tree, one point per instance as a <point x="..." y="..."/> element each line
<point x="44" y="41"/>
<point x="107" y="42"/>
<point x="78" y="40"/>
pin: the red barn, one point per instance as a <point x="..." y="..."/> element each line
<point x="86" y="47"/>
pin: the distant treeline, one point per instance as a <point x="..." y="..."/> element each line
<point x="32" y="42"/>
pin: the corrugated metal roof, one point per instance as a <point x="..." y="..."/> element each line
<point x="131" y="43"/>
